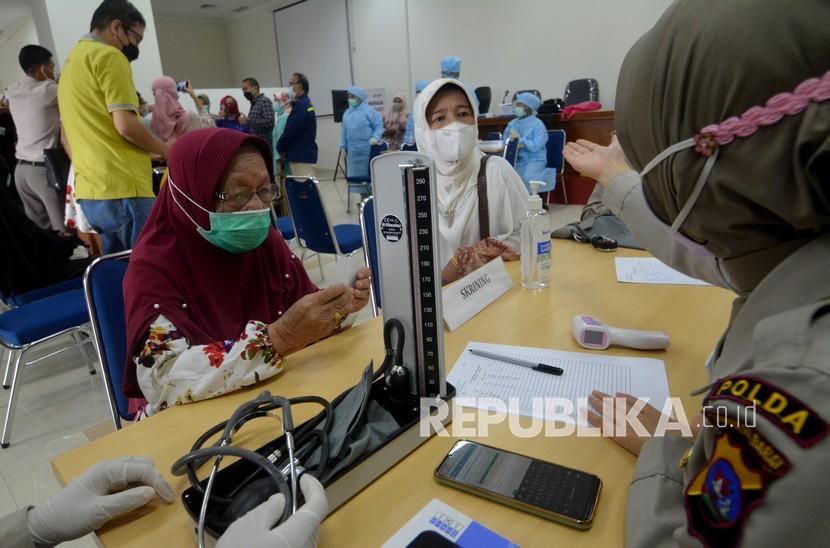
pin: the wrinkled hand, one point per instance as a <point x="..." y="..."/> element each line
<point x="105" y="491"/>
<point x="360" y="290"/>
<point x="302" y="530"/>
<point x="596" y="161"/>
<point x="632" y="441"/>
<point x="310" y="319"/>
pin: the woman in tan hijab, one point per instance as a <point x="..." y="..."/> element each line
<point x="722" y="170"/>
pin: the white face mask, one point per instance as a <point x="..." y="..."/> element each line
<point x="454" y="142"/>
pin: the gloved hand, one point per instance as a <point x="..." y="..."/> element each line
<point x="373" y="141"/>
<point x="98" y="495"/>
<point x="301" y="530"/>
<point x="514" y="134"/>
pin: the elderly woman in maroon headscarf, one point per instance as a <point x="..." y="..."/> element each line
<point x="170" y="120"/>
<point x="722" y="170"/>
<point x="214" y="298"/>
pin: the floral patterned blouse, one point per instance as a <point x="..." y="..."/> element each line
<point x="172" y="372"/>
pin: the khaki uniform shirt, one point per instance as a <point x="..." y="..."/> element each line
<point x="758" y="475"/>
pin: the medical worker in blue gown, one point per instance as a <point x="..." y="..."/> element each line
<point x="362" y="127"/>
<point x="532" y="136"/>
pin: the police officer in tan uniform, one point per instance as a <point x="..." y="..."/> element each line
<point x="742" y="88"/>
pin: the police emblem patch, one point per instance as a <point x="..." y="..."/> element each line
<point x="724" y="492"/>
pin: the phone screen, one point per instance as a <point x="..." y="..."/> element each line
<point x="548" y="486"/>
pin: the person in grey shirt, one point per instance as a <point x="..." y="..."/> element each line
<point x="729" y="134"/>
<point x="33" y="102"/>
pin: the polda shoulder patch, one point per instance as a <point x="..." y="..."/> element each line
<point x="783" y="409"/>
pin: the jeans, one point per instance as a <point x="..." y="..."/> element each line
<point x="118" y="222"/>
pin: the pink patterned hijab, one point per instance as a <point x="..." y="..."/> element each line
<point x="169" y="117"/>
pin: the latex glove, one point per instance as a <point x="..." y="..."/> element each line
<point x="373" y="141"/>
<point x="105" y="491"/>
<point x="514" y="134"/>
<point x="301" y="530"/>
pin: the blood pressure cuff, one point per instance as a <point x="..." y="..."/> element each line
<point x="360" y="426"/>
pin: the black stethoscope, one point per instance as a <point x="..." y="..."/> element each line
<point x="283" y="466"/>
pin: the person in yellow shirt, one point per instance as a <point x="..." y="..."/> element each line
<point x="109" y="146"/>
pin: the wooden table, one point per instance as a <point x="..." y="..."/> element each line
<point x="594" y="126"/>
<point x="583" y="281"/>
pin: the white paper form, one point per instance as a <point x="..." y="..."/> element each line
<point x="477" y="377"/>
<point x="650" y="271"/>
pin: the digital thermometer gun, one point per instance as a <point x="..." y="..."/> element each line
<point x="594" y="335"/>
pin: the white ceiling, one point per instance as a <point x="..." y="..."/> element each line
<point x="12" y="13"/>
<point x="190" y="9"/>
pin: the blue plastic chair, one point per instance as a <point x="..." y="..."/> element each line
<point x="43" y="292"/>
<point x="370" y="248"/>
<point x="493" y="136"/>
<point x="556" y="161"/>
<point x="362" y="184"/>
<point x="409" y="148"/>
<point x="511" y="151"/>
<point x="32" y="324"/>
<point x="314" y="230"/>
<point x="286" y="227"/>
<point x="105" y="301"/>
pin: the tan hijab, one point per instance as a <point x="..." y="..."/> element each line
<point x="708" y="60"/>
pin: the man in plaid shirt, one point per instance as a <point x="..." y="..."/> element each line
<point x="261" y="115"/>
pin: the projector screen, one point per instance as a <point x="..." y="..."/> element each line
<point x="313" y="38"/>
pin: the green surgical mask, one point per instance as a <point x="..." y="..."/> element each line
<point x="234" y="231"/>
<point x="519" y="112"/>
<point x="353" y="102"/>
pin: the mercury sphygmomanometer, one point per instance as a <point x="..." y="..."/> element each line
<point x="370" y="427"/>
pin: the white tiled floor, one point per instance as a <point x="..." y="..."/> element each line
<point x="59" y="399"/>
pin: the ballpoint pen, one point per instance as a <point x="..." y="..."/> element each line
<point x="542" y="368"/>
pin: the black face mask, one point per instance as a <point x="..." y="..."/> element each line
<point x="129" y="49"/>
<point x="249" y="96"/>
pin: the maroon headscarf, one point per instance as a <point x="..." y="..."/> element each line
<point x="209" y="294"/>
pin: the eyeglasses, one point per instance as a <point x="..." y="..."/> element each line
<point x="139" y="36"/>
<point x="239" y="198"/>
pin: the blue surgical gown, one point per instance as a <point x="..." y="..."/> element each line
<point x="533" y="156"/>
<point x="360" y="124"/>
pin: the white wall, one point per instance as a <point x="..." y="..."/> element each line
<point x="253" y="49"/>
<point x="539" y="44"/>
<point x="67" y="21"/>
<point x="195" y="50"/>
<point x="10" y="43"/>
<point x="532" y="44"/>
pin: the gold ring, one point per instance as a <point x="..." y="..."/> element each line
<point x="338" y="317"/>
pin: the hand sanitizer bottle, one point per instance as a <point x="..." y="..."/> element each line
<point x="535" y="234"/>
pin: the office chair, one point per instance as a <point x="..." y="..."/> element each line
<point x="363" y="183"/>
<point x="311" y="221"/>
<point x="511" y="151"/>
<point x="105" y="302"/>
<point x="555" y="164"/>
<point x="484" y="96"/>
<point x="32" y="324"/>
<point x="579" y="91"/>
<point x="493" y="136"/>
<point x="407" y="148"/>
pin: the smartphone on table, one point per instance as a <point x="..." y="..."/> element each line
<point x="554" y="492"/>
